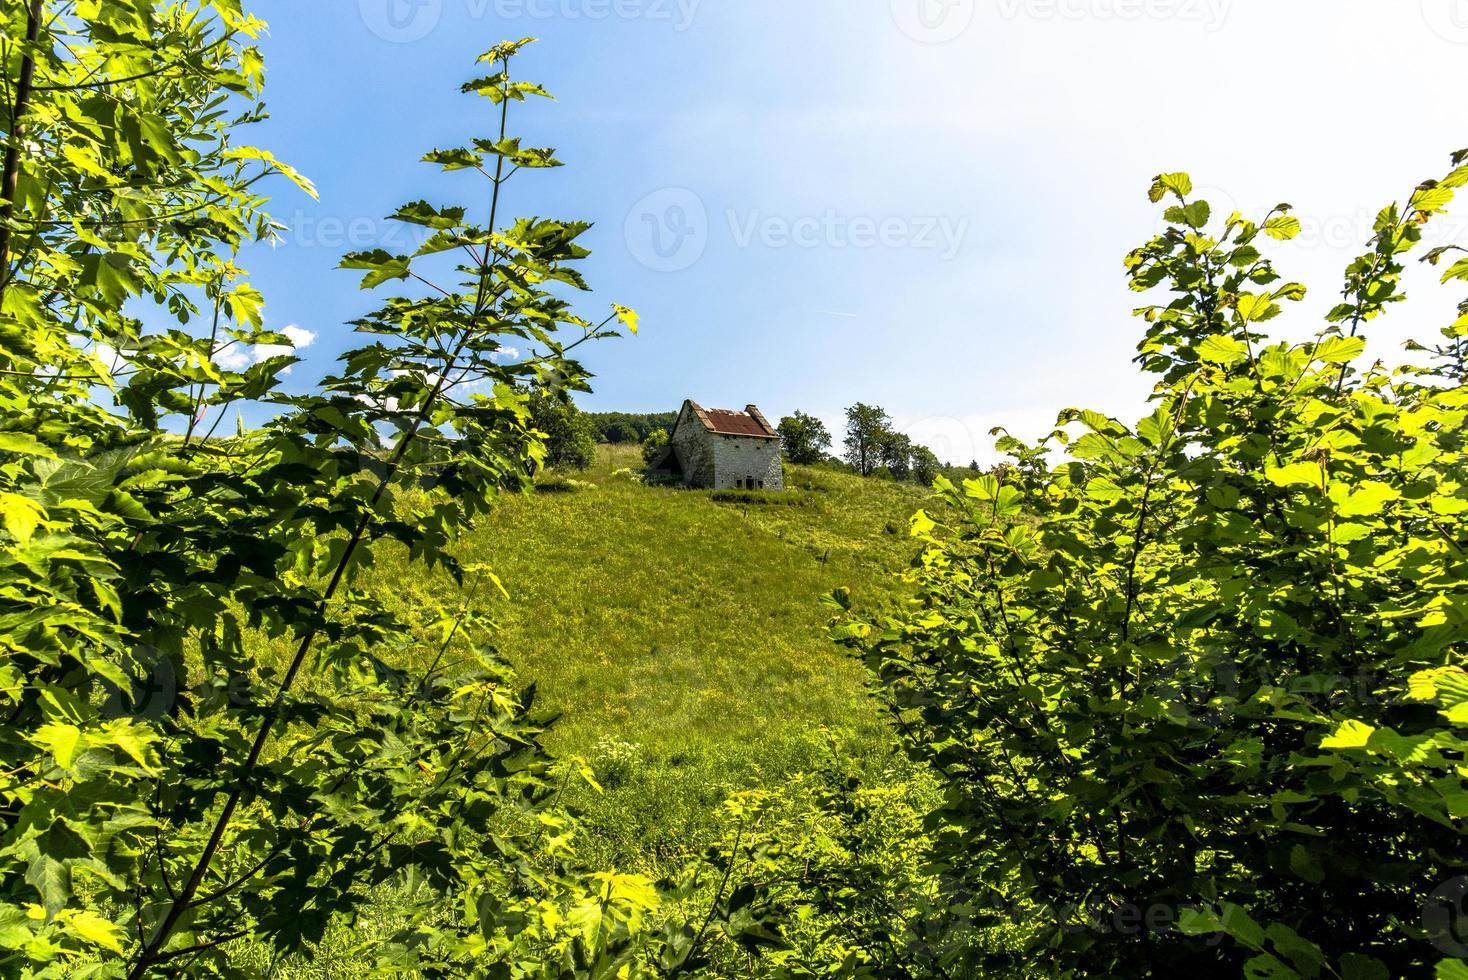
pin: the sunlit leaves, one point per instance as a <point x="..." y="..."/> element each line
<point x="1220" y="349"/>
<point x="627" y="317"/>
<point x="1234" y="604"/>
<point x="455" y="159"/>
<point x="1282" y="227"/>
<point x="1339" y="350"/>
<point x="284" y="169"/>
<point x="381" y="266"/>
<point x="1178" y="184"/>
<point x="425" y="214"/>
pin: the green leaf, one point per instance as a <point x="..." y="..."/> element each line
<point x="61" y="740"/>
<point x="1199" y="922"/>
<point x="1354" y="966"/>
<point x="380" y="265"/>
<point x="1197" y="214"/>
<point x="48" y="857"/>
<point x="456" y="159"/>
<point x="285" y="170"/>
<point x="94" y="929"/>
<point x="1256" y="309"/>
<point x="1304" y="863"/>
<point x="1220" y="349"/>
<point x="1340" y="350"/>
<point x="1459" y="270"/>
<point x="24" y="444"/>
<point x="1350" y="735"/>
<point x="1369" y="499"/>
<point x="1296" y="474"/>
<point x="1238" y="923"/>
<point x="1179" y="184"/>
<point x="423" y="213"/>
<point x="21" y="515"/>
<point x="1282" y="227"/>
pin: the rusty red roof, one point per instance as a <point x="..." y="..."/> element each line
<point x="726" y="422"/>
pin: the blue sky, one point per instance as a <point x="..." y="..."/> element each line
<point x="922" y="204"/>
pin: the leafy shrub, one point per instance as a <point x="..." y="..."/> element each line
<point x="653" y="446"/>
<point x="1195" y="689"/>
<point x="568" y="434"/>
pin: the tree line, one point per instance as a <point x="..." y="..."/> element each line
<point x="871" y="447"/>
<point x="620" y="428"/>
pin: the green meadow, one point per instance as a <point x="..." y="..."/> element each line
<point x="680" y="635"/>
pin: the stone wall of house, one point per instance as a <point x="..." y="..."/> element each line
<point x="695" y="448"/>
<point x="738" y="459"/>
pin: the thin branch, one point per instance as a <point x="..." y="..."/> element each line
<point x="102" y="83"/>
<point x="150" y="954"/>
<point x="201" y="947"/>
<point x="11" y="176"/>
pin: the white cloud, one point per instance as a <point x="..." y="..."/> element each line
<point x="300" y="339"/>
<point x="237" y="357"/>
<point x="234" y="358"/>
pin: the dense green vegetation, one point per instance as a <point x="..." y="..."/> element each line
<point x="804" y="438"/>
<point x="416" y="678"/>
<point x="873" y="448"/>
<point x="1195" y="687"/>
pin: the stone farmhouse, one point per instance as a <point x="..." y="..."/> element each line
<point x="722" y="450"/>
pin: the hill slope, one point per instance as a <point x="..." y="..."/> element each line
<point x="682" y="635"/>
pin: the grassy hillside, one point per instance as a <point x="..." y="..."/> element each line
<point x="682" y="635"/>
